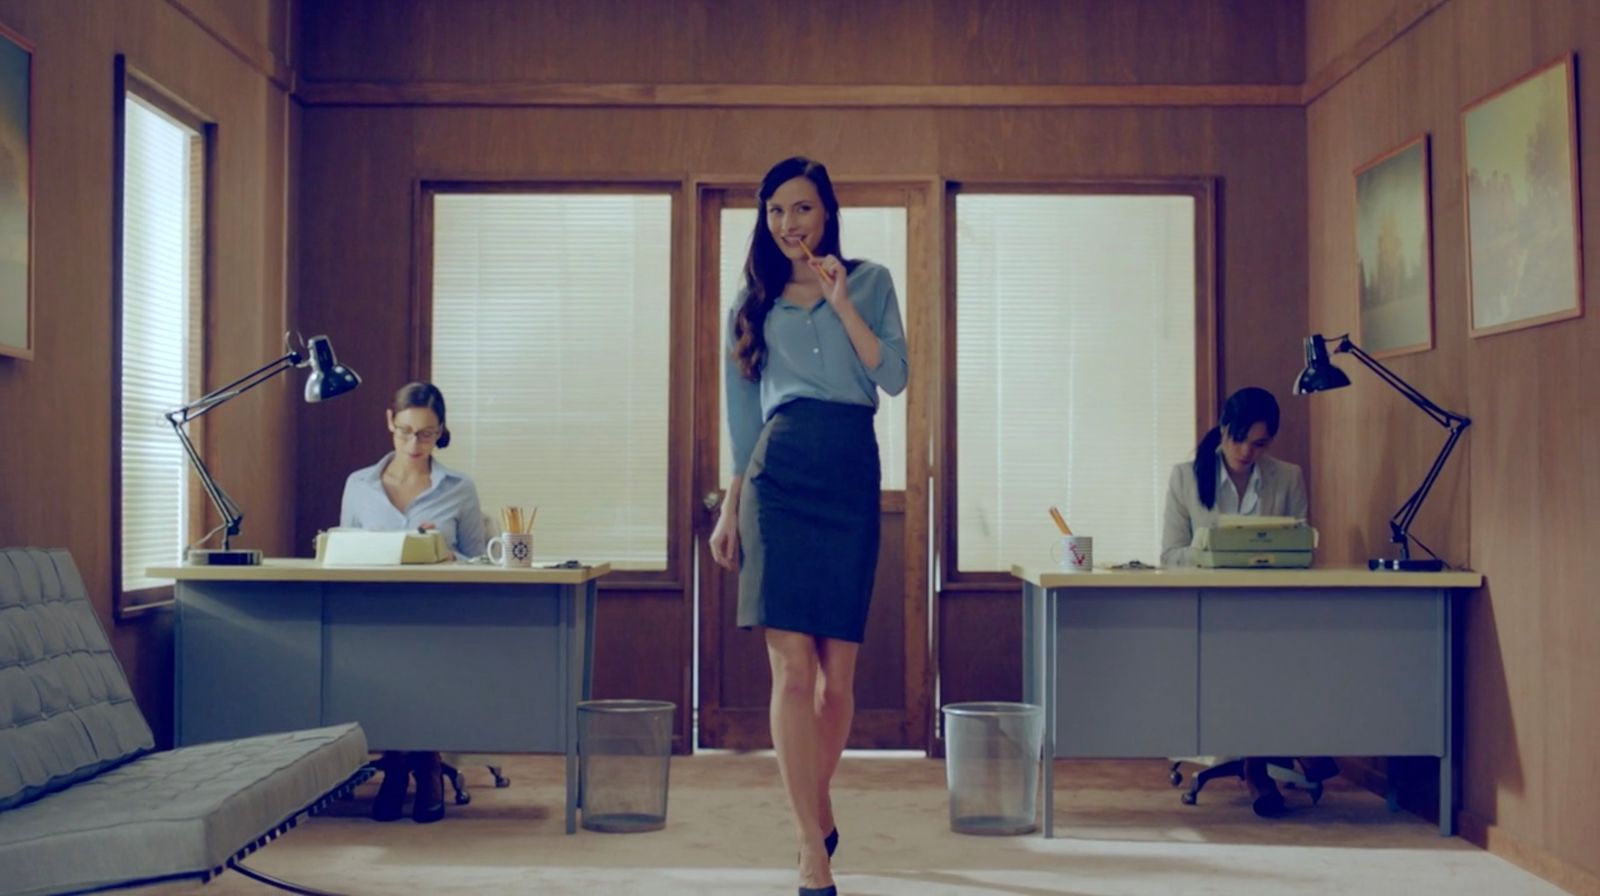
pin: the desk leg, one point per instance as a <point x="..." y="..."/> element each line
<point x="1039" y="682"/>
<point x="578" y="609"/>
<point x="1447" y="777"/>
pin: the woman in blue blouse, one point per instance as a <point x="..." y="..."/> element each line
<point x="408" y="489"/>
<point x="812" y="339"/>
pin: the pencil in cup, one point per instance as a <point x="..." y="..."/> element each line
<point x="517" y="519"/>
<point x="1061" y="522"/>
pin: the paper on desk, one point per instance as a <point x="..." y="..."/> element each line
<point x="1246" y="521"/>
<point x="358" y="547"/>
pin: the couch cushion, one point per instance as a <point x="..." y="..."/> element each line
<point x="173" y="814"/>
<point x="66" y="712"/>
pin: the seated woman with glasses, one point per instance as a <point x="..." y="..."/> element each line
<point x="410" y="490"/>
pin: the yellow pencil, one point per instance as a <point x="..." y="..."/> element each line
<point x="1061" y="522"/>
<point x="826" y="277"/>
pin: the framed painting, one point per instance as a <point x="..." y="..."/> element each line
<point x="1520" y="167"/>
<point x="1394" y="251"/>
<point x="16" y="195"/>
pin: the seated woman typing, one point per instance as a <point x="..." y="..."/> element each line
<point x="1231" y="473"/>
<point x="409" y="490"/>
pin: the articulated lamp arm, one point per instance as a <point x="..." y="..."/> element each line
<point x="180" y="417"/>
<point x="1321" y="374"/>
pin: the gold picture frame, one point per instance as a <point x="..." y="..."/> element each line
<point x="16" y="195"/>
<point x="1520" y="179"/>
<point x="1394" y="251"/>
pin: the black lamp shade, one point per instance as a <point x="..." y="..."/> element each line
<point x="328" y="377"/>
<point x="1321" y="373"/>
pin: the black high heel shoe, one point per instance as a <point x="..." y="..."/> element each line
<point x="392" y="792"/>
<point x="830" y="890"/>
<point x="831" y="842"/>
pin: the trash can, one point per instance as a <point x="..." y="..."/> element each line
<point x="624" y="747"/>
<point x="992" y="766"/>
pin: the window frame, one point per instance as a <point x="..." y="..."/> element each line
<point x="1204" y="193"/>
<point x="679" y="568"/>
<point x="130" y="82"/>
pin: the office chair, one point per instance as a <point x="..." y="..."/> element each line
<point x="451" y="763"/>
<point x="1279" y="768"/>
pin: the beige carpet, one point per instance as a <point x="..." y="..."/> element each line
<point x="1120" y="829"/>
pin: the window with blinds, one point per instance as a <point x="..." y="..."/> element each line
<point x="875" y="234"/>
<point x="162" y="265"/>
<point x="550" y="342"/>
<point x="1075" y="371"/>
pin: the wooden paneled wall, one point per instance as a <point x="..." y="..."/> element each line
<point x="55" y="478"/>
<point x="1518" y="501"/>
<point x="395" y="91"/>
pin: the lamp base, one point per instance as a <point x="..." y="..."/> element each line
<point x="1407" y="565"/>
<point x="198" y="557"/>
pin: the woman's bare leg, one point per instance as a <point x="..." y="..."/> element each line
<point x="793" y="656"/>
<point x="835" y="708"/>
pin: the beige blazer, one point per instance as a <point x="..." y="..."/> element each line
<point x="1283" y="493"/>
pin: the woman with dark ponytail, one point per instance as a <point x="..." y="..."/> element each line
<point x="1231" y="473"/>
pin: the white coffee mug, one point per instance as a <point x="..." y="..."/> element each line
<point x="1074" y="553"/>
<point x="515" y="550"/>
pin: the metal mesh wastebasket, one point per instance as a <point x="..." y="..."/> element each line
<point x="624" y="749"/>
<point x="991" y="764"/>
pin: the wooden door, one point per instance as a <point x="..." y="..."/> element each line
<point x="893" y="689"/>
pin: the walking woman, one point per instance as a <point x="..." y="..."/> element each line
<point x="811" y="340"/>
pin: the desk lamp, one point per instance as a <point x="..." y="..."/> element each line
<point x="1321" y="374"/>
<point x="328" y="379"/>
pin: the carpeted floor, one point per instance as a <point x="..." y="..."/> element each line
<point x="1120" y="830"/>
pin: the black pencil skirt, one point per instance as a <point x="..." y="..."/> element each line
<point x="809" y="520"/>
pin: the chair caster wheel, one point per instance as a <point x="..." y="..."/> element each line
<point x="1176" y="778"/>
<point x="1188" y="799"/>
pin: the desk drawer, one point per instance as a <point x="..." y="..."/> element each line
<point x="1127" y="661"/>
<point x="1322" y="672"/>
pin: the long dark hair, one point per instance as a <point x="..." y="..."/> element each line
<point x="423" y="395"/>
<point x="767" y="269"/>
<point x="1243" y="410"/>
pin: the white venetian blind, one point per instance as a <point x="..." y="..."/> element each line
<point x="162" y="252"/>
<point x="1075" y="371"/>
<point x="875" y="234"/>
<point x="550" y="343"/>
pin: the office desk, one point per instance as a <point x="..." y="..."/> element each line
<point x="1249" y="662"/>
<point x="452" y="657"/>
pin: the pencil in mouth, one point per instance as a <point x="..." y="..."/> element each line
<point x="826" y="277"/>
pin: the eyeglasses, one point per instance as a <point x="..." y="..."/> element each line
<point x="405" y="433"/>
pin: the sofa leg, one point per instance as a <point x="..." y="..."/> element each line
<point x="280" y="883"/>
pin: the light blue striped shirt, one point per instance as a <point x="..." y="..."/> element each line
<point x="809" y="355"/>
<point x="450" y="502"/>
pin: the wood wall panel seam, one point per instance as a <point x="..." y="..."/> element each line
<point x="526" y="93"/>
<point x="1358" y="54"/>
<point x="259" y="58"/>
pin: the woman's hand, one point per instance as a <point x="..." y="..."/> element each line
<point x="725" y="541"/>
<point x="830" y="270"/>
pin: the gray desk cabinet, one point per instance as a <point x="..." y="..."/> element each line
<point x="1243" y="663"/>
<point x="456" y="658"/>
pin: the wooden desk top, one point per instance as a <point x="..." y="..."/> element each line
<point x="301" y="569"/>
<point x="1332" y="577"/>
